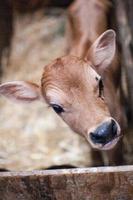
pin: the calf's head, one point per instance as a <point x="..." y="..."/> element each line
<point x="74" y="88"/>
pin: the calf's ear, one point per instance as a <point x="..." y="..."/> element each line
<point x="20" y="91"/>
<point x="102" y="51"/>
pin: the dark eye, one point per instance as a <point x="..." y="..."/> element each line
<point x="101" y="89"/>
<point x="58" y="109"/>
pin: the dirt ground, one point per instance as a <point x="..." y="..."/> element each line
<point x="33" y="136"/>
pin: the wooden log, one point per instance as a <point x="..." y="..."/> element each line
<point x="101" y="183"/>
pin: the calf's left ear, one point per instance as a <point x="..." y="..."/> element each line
<point x="20" y="91"/>
<point x="102" y="51"/>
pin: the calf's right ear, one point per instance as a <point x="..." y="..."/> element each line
<point x="102" y="51"/>
<point x="21" y="91"/>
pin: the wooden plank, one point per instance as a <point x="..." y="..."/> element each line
<point x="101" y="183"/>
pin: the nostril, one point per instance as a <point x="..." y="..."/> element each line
<point x="114" y="128"/>
<point x="104" y="133"/>
<point x="97" y="138"/>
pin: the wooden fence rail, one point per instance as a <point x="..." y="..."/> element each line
<point x="99" y="183"/>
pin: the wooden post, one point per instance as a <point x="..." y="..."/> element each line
<point x="123" y="13"/>
<point x="6" y="22"/>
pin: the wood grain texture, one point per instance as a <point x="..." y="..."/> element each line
<point x="102" y="183"/>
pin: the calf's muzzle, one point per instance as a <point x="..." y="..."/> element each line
<point x="104" y="133"/>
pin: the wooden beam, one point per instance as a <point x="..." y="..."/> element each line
<point x="101" y="183"/>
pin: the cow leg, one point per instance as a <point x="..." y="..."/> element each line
<point x="97" y="159"/>
<point x="112" y="157"/>
<point x="115" y="156"/>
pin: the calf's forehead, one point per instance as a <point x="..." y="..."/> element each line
<point x="69" y="82"/>
<point x="68" y="72"/>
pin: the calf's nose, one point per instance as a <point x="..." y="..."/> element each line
<point x="104" y="133"/>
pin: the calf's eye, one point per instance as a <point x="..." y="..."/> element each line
<point x="101" y="89"/>
<point x="58" y="109"/>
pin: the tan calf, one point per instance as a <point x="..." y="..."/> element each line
<point x="83" y="91"/>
